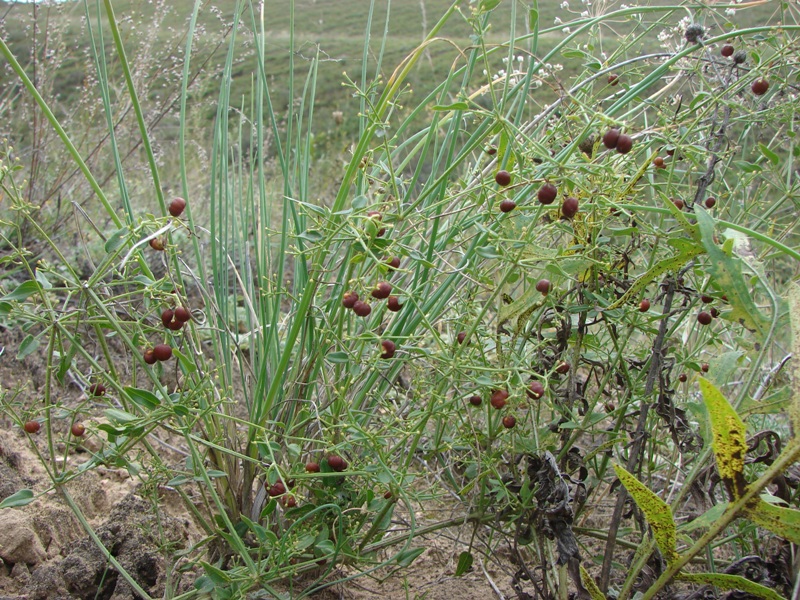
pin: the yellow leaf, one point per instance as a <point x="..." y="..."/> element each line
<point x="730" y="444"/>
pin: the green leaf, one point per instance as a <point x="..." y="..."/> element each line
<point x="453" y="106"/>
<point x="28" y="346"/>
<point x="218" y="576"/>
<point x="337" y="357"/>
<point x="116" y="240"/>
<point x="464" y="563"/>
<point x="732" y="582"/>
<point x="406" y="557"/>
<point x="781" y="521"/>
<point x="145" y="399"/>
<point x="20" y="498"/>
<point x="773" y="158"/>
<point x="489" y="4"/>
<point x="705" y="520"/>
<point x="22" y="292"/>
<point x="730" y="445"/>
<point x="119" y="416"/>
<point x="533" y="19"/>
<point x="656" y="511"/>
<point x="591" y="586"/>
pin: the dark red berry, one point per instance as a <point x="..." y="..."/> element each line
<point x="361" y="308"/>
<point x="569" y="208"/>
<point x="182" y="314"/>
<point x="462" y="335"/>
<point x="706" y="299"/>
<point x="658" y="162"/>
<point x="613" y="79"/>
<point x="162" y="352"/>
<point x="157" y="244"/>
<point x="678" y="203"/>
<point x="547" y="193"/>
<point x="77" y="429"/>
<point x="475" y="400"/>
<point x="174" y="325"/>
<point x="624" y="143"/>
<point x="387" y="495"/>
<point x="498" y="399"/>
<point x="711" y="202"/>
<point x="277" y="489"/>
<point x="393" y="263"/>
<point x="704" y="318"/>
<point x="166" y="317"/>
<point x="382" y="290"/>
<point x="543" y="286"/>
<point x="393" y="304"/>
<point x="727" y="50"/>
<point x="337" y="463"/>
<point x="682" y="378"/>
<point x="611" y="138"/>
<point x="609" y="407"/>
<point x="503" y="178"/>
<point x="349" y="299"/>
<point x="150" y="357"/>
<point x="714" y="313"/>
<point x="312" y="467"/>
<point x="760" y="86"/>
<point x="176" y="207"/>
<point x="32" y="427"/>
<point x="290" y="502"/>
<point x="562" y="368"/>
<point x="97" y="389"/>
<point x="644" y="305"/>
<point x="535" y="390"/>
<point x="388" y="348"/>
<point x="507" y="206"/>
<point x="509" y="422"/>
<point x="491" y="151"/>
<point x="704" y="367"/>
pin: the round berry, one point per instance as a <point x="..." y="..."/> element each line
<point x="507" y="206"/>
<point x="704" y="367"/>
<point x="760" y="86"/>
<point x="388" y="347"/>
<point x="277" y="489"/>
<point x="32" y="427"/>
<point x="150" y="357"/>
<point x="503" y="178"/>
<point x="714" y="313"/>
<point x="290" y="502"/>
<point x="491" y="151"/>
<point x="569" y="208"/>
<point x="613" y="79"/>
<point x="611" y="138"/>
<point x="727" y="50"/>
<point x="678" y="203"/>
<point x="498" y="399"/>
<point x="706" y="299"/>
<point x="393" y="304"/>
<point x="624" y="143"/>
<point x="387" y="495"/>
<point x="509" y="422"/>
<point x="349" y="299"/>
<point x="312" y="467"/>
<point x="361" y="308"/>
<point x="475" y="400"/>
<point x="711" y="202"/>
<point x="166" y="317"/>
<point x="177" y="206"/>
<point x="535" y="390"/>
<point x="462" y="335"/>
<point x="337" y="463"/>
<point x="78" y="429"/>
<point x="97" y="389"/>
<point x="162" y="352"/>
<point x="382" y="290"/>
<point x="682" y="378"/>
<point x="174" y="325"/>
<point x="704" y="318"/>
<point x="182" y="314"/>
<point x="157" y="244"/>
<point x="562" y="368"/>
<point x="740" y="57"/>
<point x="393" y="263"/>
<point x="547" y="193"/>
<point x="543" y="286"/>
<point x="659" y="163"/>
<point x="644" y="305"/>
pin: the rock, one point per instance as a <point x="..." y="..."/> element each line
<point x="18" y="539"/>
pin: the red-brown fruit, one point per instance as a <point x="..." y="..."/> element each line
<point x="462" y="335"/>
<point x="290" y="502"/>
<point x="658" y="162"/>
<point x="611" y="138"/>
<point x="711" y="202"/>
<point x="562" y="368"/>
<point x="475" y="400"/>
<point x="393" y="304"/>
<point x="569" y="208"/>
<point x="491" y="151"/>
<point x="682" y="378"/>
<point x="714" y="313"/>
<point x="704" y="318"/>
<point x="613" y="79"/>
<point x="727" y="50"/>
<point x="32" y="427"/>
<point x="704" y="367"/>
<point x="509" y="422"/>
<point x="157" y="244"/>
<point x="361" y="308"/>
<point x="535" y="390"/>
<point x="498" y="399"/>
<point x="174" y="325"/>
<point x="507" y="206"/>
<point x="678" y="203"/>
<point x="349" y="299"/>
<point x="760" y="86"/>
<point x="150" y="357"/>
<point x="543" y="286"/>
<point x="166" y="316"/>
<point x="162" y="352"/>
<point x="393" y="263"/>
<point x="503" y="178"/>
<point x="382" y="290"/>
<point x="312" y="467"/>
<point x="547" y="193"/>
<point x="624" y="143"/>
<point x="388" y="349"/>
<point x="97" y="389"/>
<point x="78" y="429"/>
<point x="706" y="299"/>
<point x="177" y="206"/>
<point x="387" y="495"/>
<point x="182" y="314"/>
<point x="277" y="489"/>
<point x="644" y="305"/>
<point x="337" y="463"/>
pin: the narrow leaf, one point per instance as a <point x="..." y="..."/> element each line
<point x="781" y="521"/>
<point x="22" y="292"/>
<point x="453" y="106"/>
<point x="656" y="511"/>
<point x="20" y="498"/>
<point x="406" y="557"/>
<point x="591" y="586"/>
<point x="143" y="398"/>
<point x="28" y="346"/>
<point x="730" y="445"/>
<point x="732" y="582"/>
<point x="464" y="563"/>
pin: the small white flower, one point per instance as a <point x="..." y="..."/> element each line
<point x="566" y="30"/>
<point x="730" y="11"/>
<point x="557" y="21"/>
<point x="585" y="14"/>
<point x="564" y="5"/>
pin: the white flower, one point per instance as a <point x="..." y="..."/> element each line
<point x="566" y="30"/>
<point x="730" y="11"/>
<point x="585" y="14"/>
<point x="564" y="5"/>
<point x="557" y="21"/>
